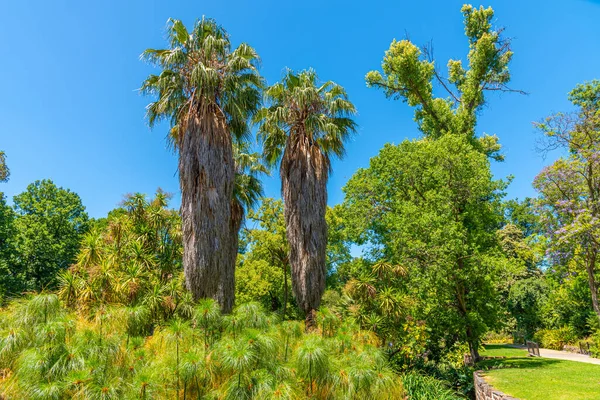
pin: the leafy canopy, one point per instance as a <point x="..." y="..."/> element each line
<point x="50" y="223"/>
<point x="410" y="73"/>
<point x="432" y="206"/>
<point x="4" y="171"/>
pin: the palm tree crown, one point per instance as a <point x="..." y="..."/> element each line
<point x="200" y="73"/>
<point x="302" y="110"/>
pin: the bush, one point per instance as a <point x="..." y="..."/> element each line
<point x="556" y="339"/>
<point x="498" y="338"/>
<point x="423" y="387"/>
<point x="594" y="342"/>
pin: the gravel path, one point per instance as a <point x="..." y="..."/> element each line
<point x="564" y="355"/>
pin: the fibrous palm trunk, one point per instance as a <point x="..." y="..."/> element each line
<point x="304" y="173"/>
<point x="226" y="293"/>
<point x="206" y="174"/>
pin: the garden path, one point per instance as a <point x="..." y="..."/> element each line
<point x="564" y="355"/>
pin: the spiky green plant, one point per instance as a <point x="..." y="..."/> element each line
<point x="208" y="317"/>
<point x="176" y="331"/>
<point x="55" y="352"/>
<point x="312" y="361"/>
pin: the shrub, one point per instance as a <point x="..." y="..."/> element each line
<point x="48" y="351"/>
<point x="556" y="339"/>
<point x="498" y="338"/>
<point x="594" y="342"/>
<point x="423" y="387"/>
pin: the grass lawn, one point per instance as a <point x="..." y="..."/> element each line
<point x="502" y="350"/>
<point x="530" y="378"/>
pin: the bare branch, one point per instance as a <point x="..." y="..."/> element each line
<point x="428" y="52"/>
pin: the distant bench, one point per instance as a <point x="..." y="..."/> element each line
<point x="584" y="348"/>
<point x="533" y="349"/>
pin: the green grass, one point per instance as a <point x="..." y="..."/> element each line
<point x="541" y="378"/>
<point x="502" y="350"/>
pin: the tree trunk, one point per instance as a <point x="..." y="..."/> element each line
<point x="304" y="173"/>
<point x="206" y="174"/>
<point x="310" y="322"/>
<point x="461" y="301"/>
<point x="226" y="294"/>
<point x="590" y="267"/>
<point x="473" y="346"/>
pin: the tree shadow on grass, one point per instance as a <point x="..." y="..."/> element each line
<point x="517" y="362"/>
<point x="499" y="346"/>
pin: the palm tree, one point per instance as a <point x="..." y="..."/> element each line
<point x="207" y="92"/>
<point x="304" y="124"/>
<point x="247" y="190"/>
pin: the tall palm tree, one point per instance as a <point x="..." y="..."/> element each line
<point x="207" y="92"/>
<point x="304" y="124"/>
<point x="247" y="190"/>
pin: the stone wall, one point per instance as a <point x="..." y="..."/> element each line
<point x="483" y="390"/>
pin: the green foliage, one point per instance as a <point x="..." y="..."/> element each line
<point x="594" y="343"/>
<point x="556" y="339"/>
<point x="257" y="280"/>
<point x="569" y="299"/>
<point x="378" y="299"/>
<point x="303" y="125"/>
<point x="523" y="214"/>
<point x="569" y="189"/>
<point x="11" y="277"/>
<point x="338" y="246"/>
<point x="518" y="270"/>
<point x="323" y="108"/>
<point x="432" y="204"/>
<point x="247" y="189"/>
<point x="49" y="352"/>
<point x="409" y="74"/>
<point x="520" y="250"/>
<point x="526" y="300"/>
<point x="133" y="258"/>
<point x="201" y="68"/>
<point x="4" y="171"/>
<point x="263" y="271"/>
<point x="445" y="259"/>
<point x="423" y="387"/>
<point x="49" y="226"/>
<point x="419" y="204"/>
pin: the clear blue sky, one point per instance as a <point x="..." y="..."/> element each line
<point x="70" y="69"/>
